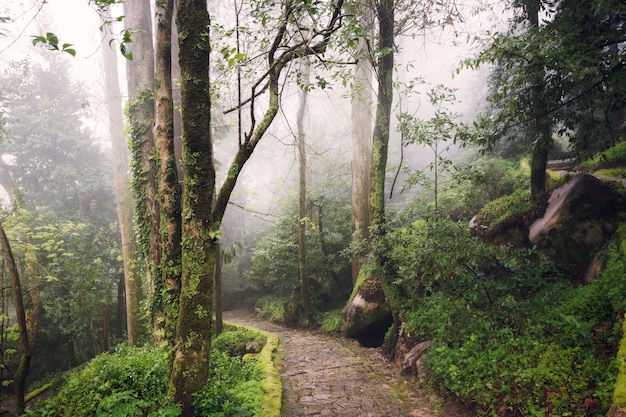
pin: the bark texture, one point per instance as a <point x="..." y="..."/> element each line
<point x="361" y="115"/>
<point x="190" y="363"/>
<point x="19" y="378"/>
<point x="121" y="189"/>
<point x="167" y="279"/>
<point x="141" y="115"/>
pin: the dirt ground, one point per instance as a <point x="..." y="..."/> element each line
<point x="329" y="376"/>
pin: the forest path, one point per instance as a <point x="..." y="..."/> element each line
<point x="329" y="376"/>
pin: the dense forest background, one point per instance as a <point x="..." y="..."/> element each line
<point x="172" y="161"/>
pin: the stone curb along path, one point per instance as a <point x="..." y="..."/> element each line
<point x="323" y="376"/>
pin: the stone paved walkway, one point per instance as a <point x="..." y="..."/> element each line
<point x="332" y="377"/>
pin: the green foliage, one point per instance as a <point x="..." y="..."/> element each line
<point x="330" y="321"/>
<point x="133" y="381"/>
<point x="272" y="308"/>
<point x="508" y="334"/>
<point x="128" y="382"/>
<point x="72" y="282"/>
<point x="505" y="210"/>
<point x="613" y="155"/>
<point x="233" y="389"/>
<point x="519" y="374"/>
<point x="235" y="342"/>
<point x="274" y="263"/>
<point x="51" y="41"/>
<point x="437" y="134"/>
<point x="573" y="56"/>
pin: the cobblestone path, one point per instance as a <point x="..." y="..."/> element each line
<point x="332" y="377"/>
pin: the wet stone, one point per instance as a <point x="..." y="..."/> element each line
<point x="330" y="377"/>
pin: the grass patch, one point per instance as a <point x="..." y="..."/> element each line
<point x="614" y="155"/>
<point x="330" y="321"/>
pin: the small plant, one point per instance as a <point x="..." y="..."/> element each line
<point x="330" y="321"/>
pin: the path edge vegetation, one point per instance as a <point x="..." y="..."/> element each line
<point x="267" y="360"/>
<point x="619" y="391"/>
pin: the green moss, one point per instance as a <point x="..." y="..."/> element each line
<point x="504" y="210"/>
<point x="272" y="384"/>
<point x="614" y="155"/>
<point x="619" y="172"/>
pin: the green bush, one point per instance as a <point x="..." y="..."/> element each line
<point x="238" y="342"/>
<point x="128" y="382"/>
<point x="520" y="375"/>
<point x="234" y="388"/>
<point x="133" y="382"/>
<point x="509" y="334"/>
<point x="272" y="308"/>
<point x="614" y="155"/>
<point x="330" y="321"/>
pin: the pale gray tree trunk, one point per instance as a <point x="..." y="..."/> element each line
<point x="361" y="116"/>
<point x="141" y="119"/>
<point x="302" y="209"/>
<point x="123" y="198"/>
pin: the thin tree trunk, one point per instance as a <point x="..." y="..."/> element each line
<point x="141" y="118"/>
<point x="167" y="280"/>
<point x="540" y="129"/>
<point x="190" y="363"/>
<point x="19" y="379"/>
<point x="123" y="199"/>
<point x="362" y="139"/>
<point x="302" y="221"/>
<point x="383" y="114"/>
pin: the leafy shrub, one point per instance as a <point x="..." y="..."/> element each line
<point x="616" y="154"/>
<point x="520" y="375"/>
<point x="330" y="321"/>
<point x="133" y="382"/>
<point x="272" y="308"/>
<point x="234" y="388"/>
<point x="508" y="333"/>
<point x="238" y="342"/>
<point x="128" y="382"/>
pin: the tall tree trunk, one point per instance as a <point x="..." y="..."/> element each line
<point x="382" y="122"/>
<point x="380" y="145"/>
<point x="302" y="221"/>
<point x="540" y="132"/>
<point x="123" y="199"/>
<point x="141" y="118"/>
<point x="19" y="379"/>
<point x="190" y="363"/>
<point x="362" y="137"/>
<point x="167" y="279"/>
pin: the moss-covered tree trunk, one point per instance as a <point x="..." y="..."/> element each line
<point x="380" y="142"/>
<point x="141" y="118"/>
<point x="190" y="364"/>
<point x="361" y="115"/>
<point x="167" y="279"/>
<point x="19" y="378"/>
<point x="540" y="132"/>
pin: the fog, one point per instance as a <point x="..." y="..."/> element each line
<point x="269" y="178"/>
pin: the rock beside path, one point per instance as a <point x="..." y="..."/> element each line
<point x="333" y="377"/>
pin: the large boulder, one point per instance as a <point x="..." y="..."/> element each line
<point x="579" y="218"/>
<point x="367" y="316"/>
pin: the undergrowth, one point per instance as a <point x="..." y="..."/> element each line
<point x="132" y="381"/>
<point x="508" y="333"/>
